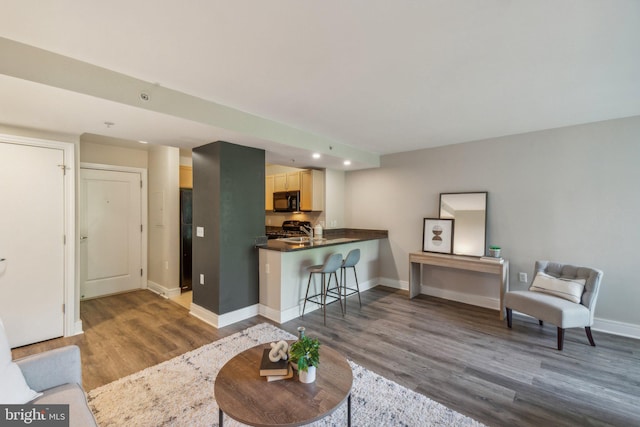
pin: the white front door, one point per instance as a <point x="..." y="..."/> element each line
<point x="110" y="232"/>
<point x="32" y="229"/>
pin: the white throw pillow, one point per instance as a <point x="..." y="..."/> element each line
<point x="563" y="288"/>
<point x="13" y="388"/>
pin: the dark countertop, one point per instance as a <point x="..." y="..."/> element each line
<point x="336" y="236"/>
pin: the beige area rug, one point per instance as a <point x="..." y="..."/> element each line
<point x="179" y="392"/>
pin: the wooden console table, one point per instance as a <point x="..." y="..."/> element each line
<point x="418" y="259"/>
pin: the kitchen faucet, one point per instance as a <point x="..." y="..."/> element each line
<point x="307" y="230"/>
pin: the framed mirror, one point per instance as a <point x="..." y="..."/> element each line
<point x="469" y="210"/>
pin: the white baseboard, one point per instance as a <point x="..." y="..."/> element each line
<point x="478" y="300"/>
<point x="616" y="328"/>
<point x="270" y="313"/>
<point x="222" y="320"/>
<point x="394" y="283"/>
<point x="162" y="291"/>
<point x="203" y="314"/>
<point x="281" y="317"/>
<point x="238" y="315"/>
<point x="77" y="328"/>
<point x="295" y="312"/>
<point x="369" y="284"/>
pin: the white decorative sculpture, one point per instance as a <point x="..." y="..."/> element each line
<point x="279" y="351"/>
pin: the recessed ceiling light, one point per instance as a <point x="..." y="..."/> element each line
<point x="347" y="162"/>
<point x="143" y="142"/>
<point x="316" y="155"/>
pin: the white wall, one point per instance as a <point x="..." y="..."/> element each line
<point x="570" y="195"/>
<point x="164" y="220"/>
<point x="334" y="198"/>
<point x="92" y="152"/>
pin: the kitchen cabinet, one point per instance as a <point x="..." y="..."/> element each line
<point x="311" y="190"/>
<point x="286" y="181"/>
<point x="280" y="288"/>
<point x="186" y="177"/>
<point x="268" y="192"/>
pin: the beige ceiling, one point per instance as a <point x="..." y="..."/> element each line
<point x="349" y="79"/>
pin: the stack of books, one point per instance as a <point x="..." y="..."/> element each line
<point x="274" y="371"/>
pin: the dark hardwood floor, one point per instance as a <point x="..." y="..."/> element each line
<point x="459" y="355"/>
<point x="128" y="332"/>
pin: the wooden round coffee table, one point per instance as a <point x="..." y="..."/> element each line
<point x="247" y="397"/>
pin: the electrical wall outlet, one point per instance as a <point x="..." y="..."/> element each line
<point x="202" y="279"/>
<point x="523" y="277"/>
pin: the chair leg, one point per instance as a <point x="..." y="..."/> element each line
<point x="560" y="338"/>
<point x="509" y="316"/>
<point x="324" y="298"/>
<point x="343" y="309"/>
<point x="591" y="341"/>
<point x="357" y="285"/>
<point x="306" y="295"/>
<point x="343" y="286"/>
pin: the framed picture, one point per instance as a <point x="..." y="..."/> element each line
<point x="437" y="235"/>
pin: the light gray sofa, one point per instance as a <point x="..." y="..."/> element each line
<point x="58" y="375"/>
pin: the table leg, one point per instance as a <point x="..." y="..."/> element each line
<point x="220" y="417"/>
<point x="415" y="278"/>
<point x="348" y="411"/>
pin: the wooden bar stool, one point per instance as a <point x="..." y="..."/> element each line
<point x="330" y="266"/>
<point x="350" y="262"/>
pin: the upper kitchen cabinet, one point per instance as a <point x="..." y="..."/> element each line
<point x="286" y="181"/>
<point x="186" y="176"/>
<point x="268" y="192"/>
<point x="311" y="190"/>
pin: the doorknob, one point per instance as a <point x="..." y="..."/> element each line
<point x="83" y="238"/>
<point x="2" y="259"/>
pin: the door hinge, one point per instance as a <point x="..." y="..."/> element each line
<point x="140" y="184"/>
<point x="63" y="308"/>
<point x="64" y="239"/>
<point x="141" y="228"/>
<point x="64" y="169"/>
<point x="140" y="272"/>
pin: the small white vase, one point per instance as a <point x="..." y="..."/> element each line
<point x="309" y="376"/>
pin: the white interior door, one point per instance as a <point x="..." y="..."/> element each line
<point x="110" y="232"/>
<point x="32" y="219"/>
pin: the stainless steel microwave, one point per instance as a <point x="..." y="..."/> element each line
<point x="286" y="201"/>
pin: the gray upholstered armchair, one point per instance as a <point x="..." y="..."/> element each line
<point x="563" y="295"/>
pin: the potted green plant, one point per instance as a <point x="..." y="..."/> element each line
<point x="306" y="352"/>
<point x="494" y="251"/>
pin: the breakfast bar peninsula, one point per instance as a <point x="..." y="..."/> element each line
<point x="284" y="262"/>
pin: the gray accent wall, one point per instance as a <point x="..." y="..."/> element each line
<point x="570" y="195"/>
<point x="228" y="201"/>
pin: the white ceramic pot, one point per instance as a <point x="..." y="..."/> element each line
<point x="309" y="376"/>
